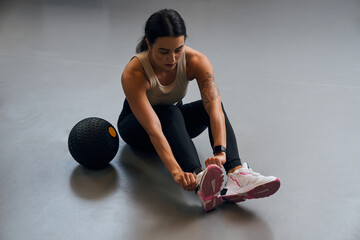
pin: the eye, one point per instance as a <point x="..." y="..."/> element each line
<point x="164" y="53"/>
<point x="178" y="50"/>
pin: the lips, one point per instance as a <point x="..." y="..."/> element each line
<point x="171" y="65"/>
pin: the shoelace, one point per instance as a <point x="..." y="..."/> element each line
<point x="245" y="169"/>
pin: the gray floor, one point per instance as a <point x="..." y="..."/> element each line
<point x="288" y="72"/>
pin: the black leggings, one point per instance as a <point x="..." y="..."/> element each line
<point x="180" y="124"/>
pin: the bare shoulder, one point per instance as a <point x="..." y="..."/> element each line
<point x="193" y="56"/>
<point x="196" y="62"/>
<point x="134" y="75"/>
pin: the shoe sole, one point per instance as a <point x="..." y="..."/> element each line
<point x="261" y="191"/>
<point x="210" y="187"/>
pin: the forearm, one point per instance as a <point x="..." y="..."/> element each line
<point x="217" y="123"/>
<point x="184" y="179"/>
<point x="218" y="130"/>
<point x="165" y="153"/>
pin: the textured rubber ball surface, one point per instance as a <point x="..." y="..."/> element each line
<point x="93" y="142"/>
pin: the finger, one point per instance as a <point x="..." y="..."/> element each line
<point x="193" y="180"/>
<point x="218" y="162"/>
<point x="190" y="179"/>
<point x="184" y="181"/>
<point x="213" y="160"/>
<point x="187" y="177"/>
<point x="208" y="162"/>
<point x="187" y="187"/>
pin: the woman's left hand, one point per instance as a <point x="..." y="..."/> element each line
<point x="218" y="159"/>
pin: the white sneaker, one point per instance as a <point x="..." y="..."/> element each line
<point x="244" y="184"/>
<point x="209" y="183"/>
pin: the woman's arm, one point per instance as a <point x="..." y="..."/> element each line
<point x="202" y="70"/>
<point x="135" y="85"/>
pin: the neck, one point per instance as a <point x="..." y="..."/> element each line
<point x="152" y="62"/>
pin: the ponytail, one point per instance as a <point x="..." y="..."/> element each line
<point x="142" y="46"/>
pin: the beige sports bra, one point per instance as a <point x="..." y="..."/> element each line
<point x="160" y="94"/>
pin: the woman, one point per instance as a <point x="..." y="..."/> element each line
<point x="154" y="117"/>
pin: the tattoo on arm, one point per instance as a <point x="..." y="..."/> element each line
<point x="208" y="88"/>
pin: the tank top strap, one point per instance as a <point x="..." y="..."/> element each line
<point x="144" y="60"/>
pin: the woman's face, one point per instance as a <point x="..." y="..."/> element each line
<point x="166" y="52"/>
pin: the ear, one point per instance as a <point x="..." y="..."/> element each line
<point x="147" y="43"/>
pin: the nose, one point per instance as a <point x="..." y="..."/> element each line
<point x="172" y="57"/>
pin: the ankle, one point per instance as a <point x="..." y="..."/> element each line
<point x="234" y="169"/>
<point x="197" y="171"/>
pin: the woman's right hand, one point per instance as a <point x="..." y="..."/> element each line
<point x="186" y="180"/>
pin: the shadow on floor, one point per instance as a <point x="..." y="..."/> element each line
<point x="152" y="187"/>
<point x="94" y="184"/>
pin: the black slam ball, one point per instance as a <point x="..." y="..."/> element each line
<point x="93" y="142"/>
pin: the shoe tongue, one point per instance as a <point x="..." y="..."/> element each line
<point x="245" y="165"/>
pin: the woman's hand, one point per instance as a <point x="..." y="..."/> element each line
<point x="186" y="180"/>
<point x="218" y="159"/>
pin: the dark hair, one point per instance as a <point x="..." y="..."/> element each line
<point x="164" y="23"/>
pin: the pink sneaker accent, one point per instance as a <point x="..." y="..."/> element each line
<point x="261" y="191"/>
<point x="265" y="190"/>
<point x="209" y="187"/>
<point x="245" y="174"/>
<point x="236" y="180"/>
